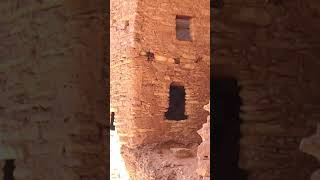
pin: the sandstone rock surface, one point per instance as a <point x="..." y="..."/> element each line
<point x="181" y="152"/>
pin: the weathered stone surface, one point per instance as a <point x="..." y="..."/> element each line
<point x="157" y="59"/>
<point x="270" y="48"/>
<point x="146" y="58"/>
<point x="181" y="152"/>
<point x="52" y="90"/>
<point x="203" y="153"/>
<point x="253" y="15"/>
<point x="204" y="168"/>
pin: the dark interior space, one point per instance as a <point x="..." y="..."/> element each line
<point x="226" y="130"/>
<point x="176" y="110"/>
<point x="8" y="170"/>
<point x="217" y="4"/>
<point x="112" y="127"/>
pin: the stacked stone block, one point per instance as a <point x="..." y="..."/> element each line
<point x="271" y="48"/>
<point x="52" y="89"/>
<point x="140" y="88"/>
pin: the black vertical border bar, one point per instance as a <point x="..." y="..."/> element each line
<point x="212" y="122"/>
<point x="107" y="77"/>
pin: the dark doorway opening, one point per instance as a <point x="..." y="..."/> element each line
<point x="177" y="101"/>
<point x="8" y="170"/>
<point x="112" y="126"/>
<point x="226" y="130"/>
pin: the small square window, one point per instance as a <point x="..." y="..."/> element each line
<point x="183" y="28"/>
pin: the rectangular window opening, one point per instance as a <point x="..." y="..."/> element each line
<point x="183" y="28"/>
<point x="176" y="110"/>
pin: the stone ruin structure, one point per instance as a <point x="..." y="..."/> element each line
<point x="160" y="82"/>
<point x="265" y="73"/>
<point x="149" y="64"/>
<point x="266" y="52"/>
<point x="53" y="90"/>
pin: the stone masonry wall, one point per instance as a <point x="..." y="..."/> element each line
<point x="122" y="72"/>
<point x="139" y="88"/>
<point x="272" y="48"/>
<point x="52" y="103"/>
<point x="155" y="32"/>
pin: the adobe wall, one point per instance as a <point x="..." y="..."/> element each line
<point x="272" y="48"/>
<point x="52" y="94"/>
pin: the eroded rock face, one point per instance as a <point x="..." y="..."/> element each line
<point x="204" y="148"/>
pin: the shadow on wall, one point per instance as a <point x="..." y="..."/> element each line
<point x="226" y="107"/>
<point x="8" y="169"/>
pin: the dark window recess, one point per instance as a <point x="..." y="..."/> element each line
<point x="8" y="170"/>
<point x="226" y="128"/>
<point x="176" y="110"/>
<point x="198" y="59"/>
<point x="112" y="126"/>
<point x="150" y="56"/>
<point x="177" y="60"/>
<point x="183" y="28"/>
<point x="217" y="4"/>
